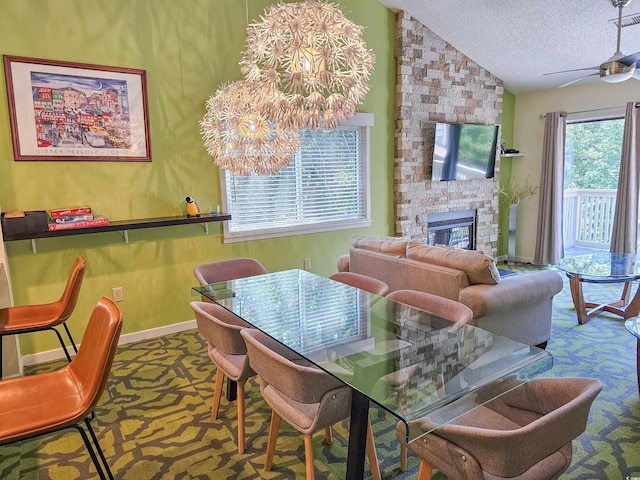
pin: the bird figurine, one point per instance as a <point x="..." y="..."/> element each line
<point x="192" y="208"/>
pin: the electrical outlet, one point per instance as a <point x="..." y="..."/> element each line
<point x="118" y="294"/>
<point x="307" y="264"/>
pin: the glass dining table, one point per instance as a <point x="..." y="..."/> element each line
<point x="406" y="361"/>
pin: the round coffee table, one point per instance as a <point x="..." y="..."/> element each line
<point x="602" y="268"/>
<point x="633" y="325"/>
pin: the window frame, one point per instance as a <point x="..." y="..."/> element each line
<point x="361" y="121"/>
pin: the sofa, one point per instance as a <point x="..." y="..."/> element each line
<point x="518" y="306"/>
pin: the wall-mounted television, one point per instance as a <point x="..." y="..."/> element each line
<point x="464" y="151"/>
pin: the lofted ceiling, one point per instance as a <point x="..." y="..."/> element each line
<point x="520" y="40"/>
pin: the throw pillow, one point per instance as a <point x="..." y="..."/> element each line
<point x="388" y="245"/>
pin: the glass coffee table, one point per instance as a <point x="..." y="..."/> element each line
<point x="602" y="268"/>
<point x="633" y="326"/>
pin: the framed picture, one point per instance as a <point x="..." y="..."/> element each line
<point x="75" y="111"/>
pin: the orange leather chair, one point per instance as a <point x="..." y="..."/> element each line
<point x="46" y="316"/>
<point x="39" y="404"/>
<point x="370" y="284"/>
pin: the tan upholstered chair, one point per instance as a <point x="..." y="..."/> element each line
<point x="370" y="284"/>
<point x="227" y="350"/>
<point x="39" y="404"/>
<point x="306" y="397"/>
<point x="228" y="270"/>
<point x="46" y="316"/>
<point x="440" y="306"/>
<point x="526" y="433"/>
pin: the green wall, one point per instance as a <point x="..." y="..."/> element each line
<point x="187" y="48"/>
<point x="508" y="109"/>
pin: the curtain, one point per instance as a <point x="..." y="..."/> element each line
<point x="624" y="237"/>
<point x="549" y="246"/>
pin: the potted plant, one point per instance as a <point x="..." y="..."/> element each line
<point x="515" y="192"/>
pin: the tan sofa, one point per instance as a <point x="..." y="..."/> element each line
<point x="518" y="306"/>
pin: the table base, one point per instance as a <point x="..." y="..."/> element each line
<point x="585" y="311"/>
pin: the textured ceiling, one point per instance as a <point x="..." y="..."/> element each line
<point x="520" y="40"/>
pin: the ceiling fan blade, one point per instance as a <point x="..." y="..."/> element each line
<point x="630" y="59"/>
<point x="578" y="79"/>
<point x="572" y="70"/>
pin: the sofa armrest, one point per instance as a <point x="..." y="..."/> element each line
<point x="343" y="263"/>
<point x="512" y="292"/>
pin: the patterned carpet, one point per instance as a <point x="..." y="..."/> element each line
<point x="153" y="421"/>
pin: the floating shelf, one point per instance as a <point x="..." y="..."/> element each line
<point x="512" y="155"/>
<point x="121" y="226"/>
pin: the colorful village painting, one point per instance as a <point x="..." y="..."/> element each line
<point x="79" y="112"/>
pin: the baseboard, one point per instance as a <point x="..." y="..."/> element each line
<point x="57" y="354"/>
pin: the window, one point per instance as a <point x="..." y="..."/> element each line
<point x="592" y="165"/>
<point x="325" y="187"/>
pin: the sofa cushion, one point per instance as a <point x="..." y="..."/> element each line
<point x="388" y="245"/>
<point x="480" y="268"/>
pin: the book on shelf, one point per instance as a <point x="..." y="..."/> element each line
<point x="73" y="218"/>
<point x="96" y="222"/>
<point x="69" y="212"/>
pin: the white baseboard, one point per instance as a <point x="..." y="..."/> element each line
<point x="57" y="354"/>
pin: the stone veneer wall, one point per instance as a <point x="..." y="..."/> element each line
<point x="436" y="83"/>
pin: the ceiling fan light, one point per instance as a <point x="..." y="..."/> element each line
<point x="616" y="72"/>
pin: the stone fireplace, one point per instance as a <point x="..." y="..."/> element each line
<point x="436" y="83"/>
<point x="452" y="229"/>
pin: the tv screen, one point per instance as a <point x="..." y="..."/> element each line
<point x="464" y="151"/>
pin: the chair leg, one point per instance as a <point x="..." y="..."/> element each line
<point x="240" y="402"/>
<point x="100" y="452"/>
<point x="73" y="343"/>
<point x="92" y="452"/>
<point x="274" y="426"/>
<point x="371" y="454"/>
<point x="328" y="435"/>
<point x="217" y="393"/>
<point x="424" y="471"/>
<point x="308" y="455"/>
<point x="403" y="458"/>
<point x="64" y="347"/>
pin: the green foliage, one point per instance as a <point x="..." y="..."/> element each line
<point x="592" y="158"/>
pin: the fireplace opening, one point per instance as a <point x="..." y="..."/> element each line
<point x="452" y="229"/>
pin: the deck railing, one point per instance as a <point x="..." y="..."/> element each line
<point x="588" y="217"/>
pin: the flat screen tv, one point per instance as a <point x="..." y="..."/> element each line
<point x="464" y="151"/>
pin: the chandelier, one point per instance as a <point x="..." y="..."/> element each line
<point x="238" y="136"/>
<point x="311" y="53"/>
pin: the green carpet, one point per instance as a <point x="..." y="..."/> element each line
<point x="154" y="421"/>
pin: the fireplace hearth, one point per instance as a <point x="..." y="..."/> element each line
<point x="452" y="229"/>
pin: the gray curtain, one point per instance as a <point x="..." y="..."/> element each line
<point x="624" y="237"/>
<point x="549" y="246"/>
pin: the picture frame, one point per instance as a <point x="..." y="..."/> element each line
<point x="76" y="111"/>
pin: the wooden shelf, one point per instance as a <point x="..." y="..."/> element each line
<point x="122" y="226"/>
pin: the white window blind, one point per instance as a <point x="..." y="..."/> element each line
<point x="326" y="187"/>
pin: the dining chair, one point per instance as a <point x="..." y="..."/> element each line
<point x="440" y="307"/>
<point x="370" y="284"/>
<point x="46" y="316"/>
<point x="39" y="404"/>
<point x="525" y="433"/>
<point x="224" y="270"/>
<point x="228" y="352"/>
<point x="306" y="397"/>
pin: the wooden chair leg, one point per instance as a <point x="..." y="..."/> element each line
<point x="217" y="393"/>
<point x="424" y="471"/>
<point x="274" y="426"/>
<point x="328" y="435"/>
<point x="240" y="401"/>
<point x="308" y="455"/>
<point x="403" y="458"/>
<point x="371" y="454"/>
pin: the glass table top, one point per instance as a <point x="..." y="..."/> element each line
<point x="602" y="265"/>
<point x="406" y="360"/>
<point x="633" y="326"/>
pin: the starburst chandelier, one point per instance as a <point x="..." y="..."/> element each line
<point x="239" y="137"/>
<point x="316" y="58"/>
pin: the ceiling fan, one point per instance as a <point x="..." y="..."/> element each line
<point x="616" y="69"/>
